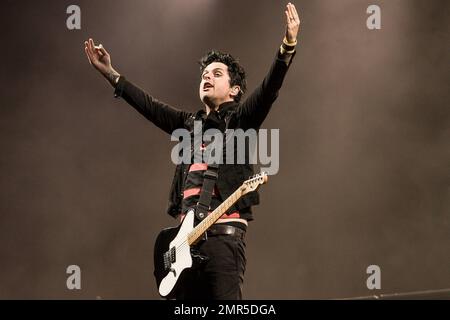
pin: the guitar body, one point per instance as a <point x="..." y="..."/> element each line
<point x="172" y="255"/>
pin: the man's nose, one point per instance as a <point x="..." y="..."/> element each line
<point x="206" y="76"/>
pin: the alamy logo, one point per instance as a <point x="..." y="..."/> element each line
<point x="374" y="280"/>
<point x="74" y="20"/>
<point x="74" y="280"/>
<point x="232" y="147"/>
<point x="374" y="20"/>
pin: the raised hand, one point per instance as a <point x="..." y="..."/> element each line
<point x="100" y="59"/>
<point x="292" y="23"/>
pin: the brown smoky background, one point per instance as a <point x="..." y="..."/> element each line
<point x="364" y="124"/>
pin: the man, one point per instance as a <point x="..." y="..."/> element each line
<point x="221" y="88"/>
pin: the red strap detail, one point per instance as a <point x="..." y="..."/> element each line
<point x="198" y="166"/>
<point x="194" y="192"/>
<point x="191" y="192"/>
<point x="234" y="214"/>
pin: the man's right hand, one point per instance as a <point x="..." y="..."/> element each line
<point x="100" y="59"/>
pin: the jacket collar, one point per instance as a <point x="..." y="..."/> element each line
<point x="224" y="108"/>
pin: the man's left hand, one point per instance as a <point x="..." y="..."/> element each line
<point x="292" y="23"/>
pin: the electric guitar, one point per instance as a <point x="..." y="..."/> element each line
<point x="174" y="252"/>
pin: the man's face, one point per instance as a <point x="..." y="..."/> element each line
<point x="215" y="85"/>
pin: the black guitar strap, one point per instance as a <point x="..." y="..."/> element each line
<point x="209" y="181"/>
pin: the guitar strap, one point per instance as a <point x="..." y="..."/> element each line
<point x="209" y="181"/>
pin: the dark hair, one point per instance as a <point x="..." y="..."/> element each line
<point x="235" y="70"/>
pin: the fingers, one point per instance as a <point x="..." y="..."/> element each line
<point x="288" y="12"/>
<point x="291" y="13"/>
<point x="93" y="49"/>
<point x="93" y="52"/>
<point x="102" y="50"/>
<point x="91" y="45"/>
<point x="87" y="53"/>
<point x="295" y="14"/>
<point x="89" y="49"/>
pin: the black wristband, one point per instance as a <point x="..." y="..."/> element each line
<point x="287" y="48"/>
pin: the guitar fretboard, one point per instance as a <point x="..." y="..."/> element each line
<point x="213" y="217"/>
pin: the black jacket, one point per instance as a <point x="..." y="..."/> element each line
<point x="246" y="115"/>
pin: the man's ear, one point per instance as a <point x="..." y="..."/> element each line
<point x="235" y="90"/>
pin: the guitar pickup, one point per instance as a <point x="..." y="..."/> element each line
<point x="169" y="258"/>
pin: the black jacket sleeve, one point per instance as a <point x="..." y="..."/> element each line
<point x="161" y="114"/>
<point x="255" y="108"/>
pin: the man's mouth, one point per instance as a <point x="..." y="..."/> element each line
<point x="207" y="86"/>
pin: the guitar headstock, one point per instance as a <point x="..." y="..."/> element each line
<point x="254" y="182"/>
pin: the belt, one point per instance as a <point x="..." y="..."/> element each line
<point x="223" y="229"/>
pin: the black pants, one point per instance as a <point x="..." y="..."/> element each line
<point x="221" y="277"/>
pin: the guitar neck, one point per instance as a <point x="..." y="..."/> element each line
<point x="201" y="228"/>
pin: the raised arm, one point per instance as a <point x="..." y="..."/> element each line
<point x="161" y="114"/>
<point x="255" y="108"/>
